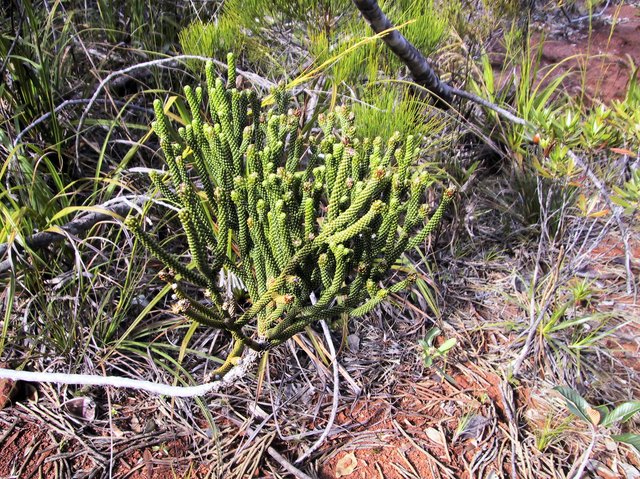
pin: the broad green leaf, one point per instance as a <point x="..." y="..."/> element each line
<point x="576" y="403"/>
<point x="622" y="413"/>
<point x="603" y="410"/>
<point x="628" y="438"/>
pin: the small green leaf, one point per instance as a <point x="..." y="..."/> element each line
<point x="576" y="403"/>
<point x="603" y="410"/>
<point x="431" y="335"/>
<point x="447" y="345"/>
<point x="628" y="438"/>
<point x="622" y="413"/>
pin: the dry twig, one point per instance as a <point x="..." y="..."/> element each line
<point x="112" y="208"/>
<point x="237" y="372"/>
<point x="257" y="79"/>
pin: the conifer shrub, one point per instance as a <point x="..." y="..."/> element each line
<point x="307" y="224"/>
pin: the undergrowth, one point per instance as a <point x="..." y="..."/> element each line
<point x="529" y="279"/>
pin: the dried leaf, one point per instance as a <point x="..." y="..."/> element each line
<point x="622" y="151"/>
<point x="609" y="444"/>
<point x="594" y="415"/>
<point x="148" y="465"/>
<point x="7" y="391"/>
<point x="135" y="424"/>
<point x="602" y="471"/>
<point x="599" y="214"/>
<point x="31" y="393"/>
<point x="435" y="435"/>
<point x="82" y="408"/>
<point x="353" y="340"/>
<point x="346" y="465"/>
<point x="630" y="472"/>
<point x="150" y="425"/>
<point x="473" y="428"/>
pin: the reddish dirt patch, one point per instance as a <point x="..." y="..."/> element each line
<point x="625" y="346"/>
<point x="24" y="451"/>
<point x="6" y="392"/>
<point x="608" y="265"/>
<point x="380" y="449"/>
<point x="598" y="63"/>
<point x="419" y="431"/>
<point x="612" y="249"/>
<point x="605" y="55"/>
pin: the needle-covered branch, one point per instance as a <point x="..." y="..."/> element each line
<point x="292" y="217"/>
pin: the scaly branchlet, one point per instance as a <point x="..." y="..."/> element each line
<point x="301" y="227"/>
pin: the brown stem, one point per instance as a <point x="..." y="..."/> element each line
<point x="418" y="65"/>
<point x="421" y="71"/>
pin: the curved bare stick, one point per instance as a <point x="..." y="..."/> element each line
<point x="257" y="79"/>
<point x="336" y="395"/>
<point x="491" y="106"/>
<point x="230" y="378"/>
<point x="119" y="206"/>
<point x="63" y="105"/>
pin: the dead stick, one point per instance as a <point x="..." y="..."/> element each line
<point x="118" y="207"/>
<point x="290" y="468"/>
<point x="336" y="395"/>
<point x="421" y="71"/>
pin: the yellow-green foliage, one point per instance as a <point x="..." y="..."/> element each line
<point x="279" y="37"/>
<point x="208" y="39"/>
<point x="292" y="217"/>
<point x="385" y="108"/>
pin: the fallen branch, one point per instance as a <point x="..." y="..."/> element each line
<point x="421" y="71"/>
<point x="491" y="106"/>
<point x="506" y="391"/>
<point x="336" y="395"/>
<point x="418" y="65"/>
<point x="290" y="468"/>
<point x="585" y="457"/>
<point x="112" y="208"/>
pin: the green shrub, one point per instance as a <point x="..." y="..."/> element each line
<point x="308" y="224"/>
